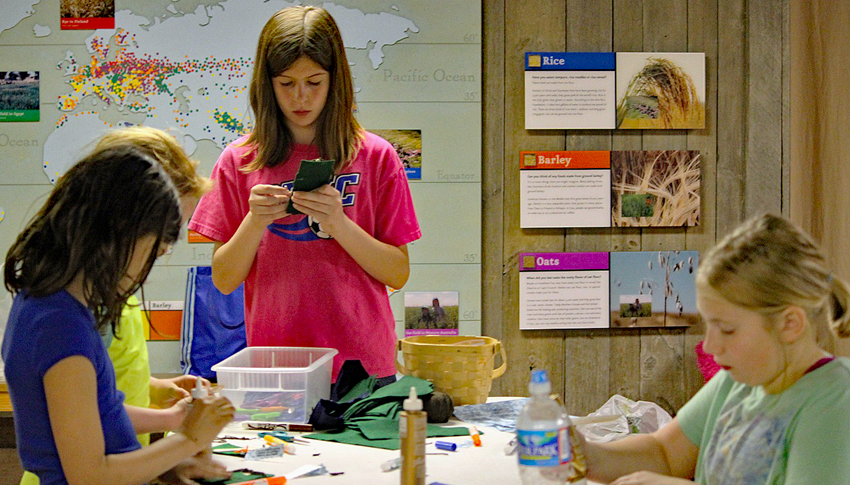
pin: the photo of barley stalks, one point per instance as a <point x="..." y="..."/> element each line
<point x="653" y="289"/>
<point x="655" y="188"/>
<point x="408" y="146"/>
<point x="86" y="8"/>
<point x="660" y="91"/>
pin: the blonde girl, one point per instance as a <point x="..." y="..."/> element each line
<point x="777" y="412"/>
<point x="318" y="279"/>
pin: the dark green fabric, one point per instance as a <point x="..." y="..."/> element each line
<point x="236" y="477"/>
<point x="384" y="433"/>
<point x="373" y="420"/>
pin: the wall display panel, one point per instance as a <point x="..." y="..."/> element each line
<point x="185" y="66"/>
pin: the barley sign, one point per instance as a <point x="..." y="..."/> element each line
<point x="609" y="188"/>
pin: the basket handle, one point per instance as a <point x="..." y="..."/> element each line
<point x="501" y="369"/>
<point x="398" y="365"/>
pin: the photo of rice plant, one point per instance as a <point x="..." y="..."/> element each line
<point x="660" y="90"/>
<point x="408" y="145"/>
<point x="653" y="289"/>
<point x="655" y="188"/>
<point x="19" y="96"/>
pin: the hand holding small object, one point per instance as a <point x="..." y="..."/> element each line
<point x="207" y="418"/>
<point x="267" y="203"/>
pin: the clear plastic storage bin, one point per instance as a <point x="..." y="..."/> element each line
<point x="280" y="384"/>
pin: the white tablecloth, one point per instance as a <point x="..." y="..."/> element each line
<point x="485" y="465"/>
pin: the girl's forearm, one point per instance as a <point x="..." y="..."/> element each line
<point x="232" y="260"/>
<point x="386" y="263"/>
<point x="607" y="461"/>
<point x="147" y="420"/>
<point x="146" y="464"/>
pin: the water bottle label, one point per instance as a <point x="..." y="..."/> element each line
<point x="544" y="448"/>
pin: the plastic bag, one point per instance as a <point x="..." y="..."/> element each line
<point x="619" y="417"/>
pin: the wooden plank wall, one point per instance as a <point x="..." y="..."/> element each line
<point x="744" y="171"/>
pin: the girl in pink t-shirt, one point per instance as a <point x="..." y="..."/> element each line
<point x="316" y="279"/>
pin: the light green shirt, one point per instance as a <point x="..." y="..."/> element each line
<point x="749" y="437"/>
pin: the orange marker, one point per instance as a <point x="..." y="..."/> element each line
<point x="476" y="438"/>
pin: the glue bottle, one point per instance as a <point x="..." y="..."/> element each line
<point x="199" y="391"/>
<point x="412" y="429"/>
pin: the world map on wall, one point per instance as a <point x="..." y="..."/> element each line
<point x="163" y="73"/>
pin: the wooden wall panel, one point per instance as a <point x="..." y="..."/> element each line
<point x="702" y="37"/>
<point x="530" y="25"/>
<point x="764" y="107"/>
<point x="589" y="29"/>
<point x="820" y="107"/>
<point x="492" y="193"/>
<point x="731" y="104"/>
<point x="589" y="366"/>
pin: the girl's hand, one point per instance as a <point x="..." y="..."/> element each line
<point x="267" y="203"/>
<point x="324" y="205"/>
<point x="166" y="392"/>
<point x="196" y="467"/>
<point x="206" y="419"/>
<point x="649" y="478"/>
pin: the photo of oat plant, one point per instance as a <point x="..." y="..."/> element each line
<point x="86" y="8"/>
<point x="665" y="183"/>
<point x="663" y="95"/>
<point x="654" y="289"/>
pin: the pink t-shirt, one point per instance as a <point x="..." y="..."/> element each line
<point x="304" y="290"/>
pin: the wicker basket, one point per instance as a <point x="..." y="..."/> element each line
<point x="460" y="366"/>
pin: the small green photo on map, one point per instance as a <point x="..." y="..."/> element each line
<point x="19" y="100"/>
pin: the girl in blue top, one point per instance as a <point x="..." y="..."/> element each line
<point x="71" y="270"/>
<point x="778" y="411"/>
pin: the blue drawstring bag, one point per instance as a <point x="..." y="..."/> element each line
<point x="213" y="325"/>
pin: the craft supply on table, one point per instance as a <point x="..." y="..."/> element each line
<point x="282" y="436"/>
<point x="264" y="481"/>
<point x="411" y="430"/>
<point x="446" y="445"/>
<point x="267" y="452"/>
<point x="271" y="426"/>
<point x="476" y="437"/>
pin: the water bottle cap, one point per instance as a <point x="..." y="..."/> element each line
<point x="539" y="376"/>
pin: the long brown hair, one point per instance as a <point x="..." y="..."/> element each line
<point x="290" y="34"/>
<point x="89" y="226"/>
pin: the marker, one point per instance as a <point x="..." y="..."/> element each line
<point x="446" y="445"/>
<point x="476" y="438"/>
<point x="265" y="481"/>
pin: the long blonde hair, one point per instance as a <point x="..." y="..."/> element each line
<point x="165" y="149"/>
<point x="768" y="264"/>
<point x="290" y="34"/>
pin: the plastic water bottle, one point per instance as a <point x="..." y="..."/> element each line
<point x="543" y="437"/>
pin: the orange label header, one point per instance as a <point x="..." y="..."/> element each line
<point x="566" y="159"/>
